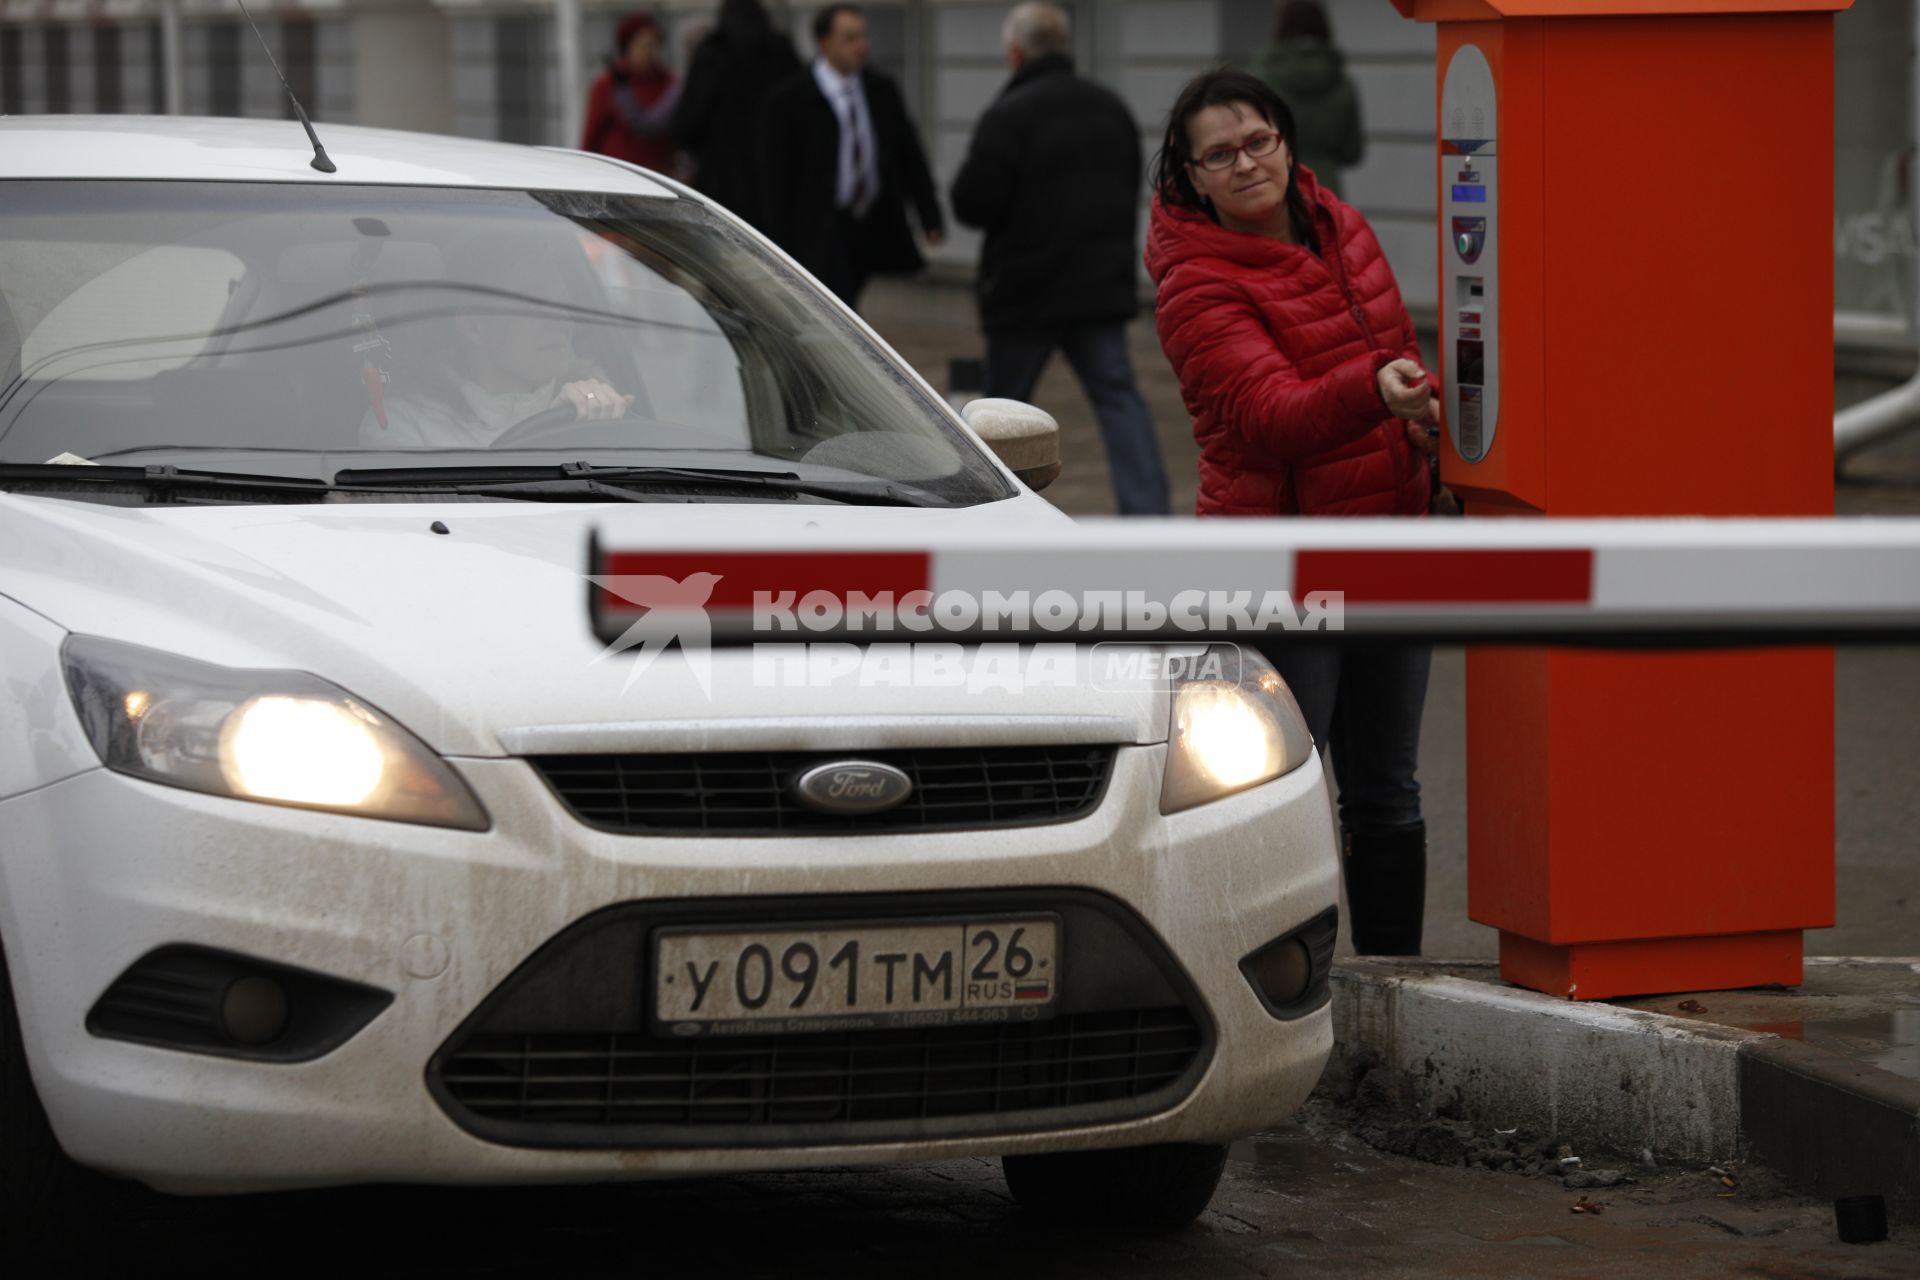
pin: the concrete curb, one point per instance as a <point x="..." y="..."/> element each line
<point x="1628" y="1080"/>
<point x="1593" y="1074"/>
<point x="1841" y="1128"/>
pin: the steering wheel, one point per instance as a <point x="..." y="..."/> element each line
<point x="561" y="422"/>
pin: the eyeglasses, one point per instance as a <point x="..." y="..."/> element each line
<point x="1218" y="158"/>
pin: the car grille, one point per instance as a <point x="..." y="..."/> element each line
<point x="749" y="793"/>
<point x="564" y="1054"/>
<point x="839" y="1078"/>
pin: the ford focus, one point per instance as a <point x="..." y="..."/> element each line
<point x="334" y="846"/>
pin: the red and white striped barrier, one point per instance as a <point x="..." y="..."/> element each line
<point x="1625" y="581"/>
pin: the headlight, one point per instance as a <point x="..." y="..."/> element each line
<point x="282" y="737"/>
<point x="1235" y="725"/>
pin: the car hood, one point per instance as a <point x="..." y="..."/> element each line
<point x="478" y="639"/>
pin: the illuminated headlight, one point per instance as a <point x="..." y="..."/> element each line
<point x="1235" y="725"/>
<point x="282" y="737"/>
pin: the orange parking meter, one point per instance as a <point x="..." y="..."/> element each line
<point x="1636" y="200"/>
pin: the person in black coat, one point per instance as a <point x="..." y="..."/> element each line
<point x="718" y="119"/>
<point x="1052" y="175"/>
<point x="840" y="161"/>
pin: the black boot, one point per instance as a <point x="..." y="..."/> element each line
<point x="1386" y="871"/>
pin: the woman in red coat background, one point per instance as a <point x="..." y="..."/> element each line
<point x="632" y="101"/>
<point x="1297" y="360"/>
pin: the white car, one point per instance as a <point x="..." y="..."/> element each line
<point x="334" y="848"/>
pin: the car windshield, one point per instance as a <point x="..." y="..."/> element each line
<point x="301" y="331"/>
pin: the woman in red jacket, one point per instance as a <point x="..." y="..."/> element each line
<point x="1298" y="363"/>
<point x="633" y="100"/>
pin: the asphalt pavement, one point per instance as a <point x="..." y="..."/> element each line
<point x="1308" y="1199"/>
<point x="1876" y="690"/>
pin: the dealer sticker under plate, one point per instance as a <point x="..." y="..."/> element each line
<point x="847" y="977"/>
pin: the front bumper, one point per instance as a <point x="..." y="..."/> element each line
<point x="99" y="870"/>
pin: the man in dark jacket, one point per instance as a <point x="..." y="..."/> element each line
<point x="718" y="120"/>
<point x="1053" y="177"/>
<point x="839" y="162"/>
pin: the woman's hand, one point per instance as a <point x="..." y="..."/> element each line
<point x="593" y="399"/>
<point x="1403" y="385"/>
<point x="1423" y="432"/>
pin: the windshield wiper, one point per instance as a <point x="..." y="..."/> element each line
<point x="503" y="479"/>
<point x="169" y="480"/>
<point x="570" y="483"/>
<point x="572" y="489"/>
<point x="158" y="479"/>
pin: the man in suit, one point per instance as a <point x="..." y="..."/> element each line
<point x="1053" y="177"/>
<point x="840" y="161"/>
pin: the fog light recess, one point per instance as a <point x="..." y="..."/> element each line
<point x="254" y="1010"/>
<point x="1289" y="974"/>
<point x="198" y="1000"/>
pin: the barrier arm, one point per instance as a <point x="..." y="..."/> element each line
<point x="1617" y="582"/>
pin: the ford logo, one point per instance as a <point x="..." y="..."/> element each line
<point x="852" y="786"/>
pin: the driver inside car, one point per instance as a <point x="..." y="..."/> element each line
<point x="505" y="355"/>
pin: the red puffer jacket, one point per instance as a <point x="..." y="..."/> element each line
<point x="1277" y="351"/>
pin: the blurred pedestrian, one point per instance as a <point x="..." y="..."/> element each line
<point x="728" y="79"/>
<point x="632" y="102"/>
<point x="1053" y="177"/>
<point x="1297" y="360"/>
<point x="840" y="163"/>
<point x="1310" y="75"/>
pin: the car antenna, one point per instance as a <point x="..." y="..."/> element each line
<point x="320" y="160"/>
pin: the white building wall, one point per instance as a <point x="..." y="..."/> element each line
<point x="400" y="69"/>
<point x="475" y="110"/>
<point x="1392" y="64"/>
<point x="333" y="69"/>
<point x="1163" y="44"/>
<point x="261" y="97"/>
<point x="435" y="65"/>
<point x="138" y="93"/>
<point x="558" y="131"/>
<point x="33" y="69"/>
<point x="80" y="95"/>
<point x="536" y="40"/>
<point x="196" y="66"/>
<point x="964" y="68"/>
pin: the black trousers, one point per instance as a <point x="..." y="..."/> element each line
<point x="844" y="271"/>
<point x="1367" y="702"/>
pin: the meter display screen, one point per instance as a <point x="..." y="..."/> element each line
<point x="1469" y="195"/>
<point x="1470" y="363"/>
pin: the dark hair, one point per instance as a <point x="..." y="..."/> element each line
<point x="743" y="21"/>
<point x="823" y="21"/>
<point x="1224" y="87"/>
<point x="1303" y="19"/>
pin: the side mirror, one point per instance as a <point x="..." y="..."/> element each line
<point x="1025" y="438"/>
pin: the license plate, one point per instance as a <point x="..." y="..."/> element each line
<point x="847" y="977"/>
